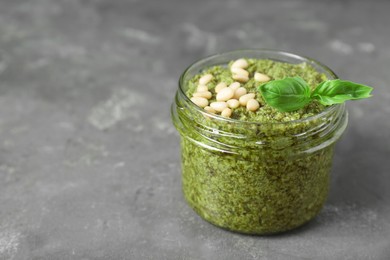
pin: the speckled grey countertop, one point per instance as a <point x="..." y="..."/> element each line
<point x="89" y="159"/>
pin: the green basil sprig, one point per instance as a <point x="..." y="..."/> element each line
<point x="290" y="94"/>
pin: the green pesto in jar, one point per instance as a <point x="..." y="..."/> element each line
<point x="257" y="187"/>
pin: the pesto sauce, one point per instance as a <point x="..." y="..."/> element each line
<point x="237" y="184"/>
<point x="275" y="70"/>
<point x="259" y="196"/>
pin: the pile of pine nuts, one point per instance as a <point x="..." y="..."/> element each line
<point x="228" y="97"/>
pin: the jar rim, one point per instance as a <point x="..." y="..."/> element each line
<point x="309" y="60"/>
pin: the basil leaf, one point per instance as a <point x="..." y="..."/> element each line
<point x="337" y="91"/>
<point x="287" y="94"/>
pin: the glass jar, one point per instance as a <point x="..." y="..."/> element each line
<point x="253" y="177"/>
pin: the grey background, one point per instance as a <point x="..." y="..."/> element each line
<point x="89" y="159"/>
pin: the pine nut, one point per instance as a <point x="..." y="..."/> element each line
<point x="233" y="103"/>
<point x="204" y="94"/>
<point x="210" y="109"/>
<point x="239" y="92"/>
<point x="245" y="98"/>
<point x="205" y="79"/>
<point x="218" y="106"/>
<point x="200" y="101"/>
<point x="240" y="63"/>
<point x="235" y="85"/>
<point x="239" y="71"/>
<point x="227" y="112"/>
<point x="225" y="94"/>
<point x="240" y="77"/>
<point x="220" y="86"/>
<point x="252" y="105"/>
<point x="202" y="88"/>
<point x="261" y="77"/>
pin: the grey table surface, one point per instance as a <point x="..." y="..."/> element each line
<point x="89" y="159"/>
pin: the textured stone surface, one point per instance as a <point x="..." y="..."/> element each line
<point x="89" y="160"/>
